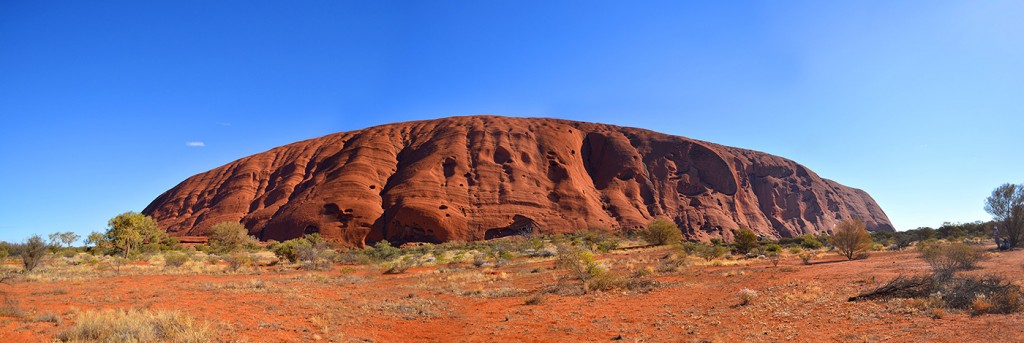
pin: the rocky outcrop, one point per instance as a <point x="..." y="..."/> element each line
<point x="481" y="177"/>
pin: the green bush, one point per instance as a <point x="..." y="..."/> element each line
<point x="229" y="237"/>
<point x="745" y="240"/>
<point x="710" y="252"/>
<point x="237" y="260"/>
<point x="773" y="248"/>
<point x="175" y="259"/>
<point x="599" y="240"/>
<point x="382" y="251"/>
<point x="807" y="256"/>
<point x="810" y="243"/>
<point x="399" y="266"/>
<point x="581" y="265"/>
<point x="662" y="232"/>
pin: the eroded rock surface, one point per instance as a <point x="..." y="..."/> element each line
<point x="469" y="178"/>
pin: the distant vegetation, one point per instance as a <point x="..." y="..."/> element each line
<point x="133" y="236"/>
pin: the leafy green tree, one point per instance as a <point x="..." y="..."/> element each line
<point x="1006" y="205"/>
<point x="745" y="240"/>
<point x="662" y="232"/>
<point x="130" y="230"/>
<point x="97" y="241"/>
<point x="229" y="237"/>
<point x="851" y="238"/>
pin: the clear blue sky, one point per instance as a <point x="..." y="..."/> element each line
<point x="918" y="103"/>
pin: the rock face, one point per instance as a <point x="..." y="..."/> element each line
<point x="482" y="177"/>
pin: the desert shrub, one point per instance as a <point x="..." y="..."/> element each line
<point x="211" y="259"/>
<point x="399" y="266"/>
<point x="175" y="259"/>
<point x="774" y="258"/>
<point x="641" y="280"/>
<point x="710" y="252"/>
<point x="48" y="317"/>
<point x="10" y="307"/>
<point x="662" y="232"/>
<point x="581" y="265"/>
<point x="795" y="250"/>
<point x="237" y="260"/>
<point x="598" y="240"/>
<point x="535" y="299"/>
<point x="747" y="296"/>
<point x="807" y="256"/>
<point x="228" y="237"/>
<point x="311" y="250"/>
<point x="5" y="249"/>
<point x="382" y="251"/>
<point x="479" y="261"/>
<point x="135" y="326"/>
<point x="745" y="240"/>
<point x="901" y="241"/>
<point x="314" y="252"/>
<point x="851" y="239"/>
<point x="354" y="257"/>
<point x="603" y="280"/>
<point x="672" y="263"/>
<point x="810" y="242"/>
<point x="773" y="248"/>
<point x="949" y="258"/>
<point x="31" y="252"/>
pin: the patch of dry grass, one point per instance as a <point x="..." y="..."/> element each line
<point x="135" y="326"/>
<point x="410" y="308"/>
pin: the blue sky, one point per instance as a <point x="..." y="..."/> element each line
<point x="919" y="103"/>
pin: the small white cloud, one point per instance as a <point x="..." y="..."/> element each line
<point x="224" y="124"/>
<point x="195" y="144"/>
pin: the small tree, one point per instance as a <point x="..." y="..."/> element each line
<point x="69" y="238"/>
<point x="662" y="232"/>
<point x="97" y="241"/>
<point x="710" y="252"/>
<point x="745" y="240"/>
<point x="63" y="239"/>
<point x="31" y="252"/>
<point x="130" y="230"/>
<point x="228" y="237"/>
<point x="1006" y="205"/>
<point x="851" y="238"/>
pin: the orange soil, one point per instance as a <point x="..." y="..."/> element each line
<point x="795" y="303"/>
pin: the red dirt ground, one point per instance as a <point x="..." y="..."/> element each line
<point x="445" y="304"/>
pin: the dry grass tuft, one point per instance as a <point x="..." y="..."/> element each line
<point x="535" y="299"/>
<point x="135" y="326"/>
<point x="747" y="296"/>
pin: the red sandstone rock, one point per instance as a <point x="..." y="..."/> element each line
<point x="467" y="178"/>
